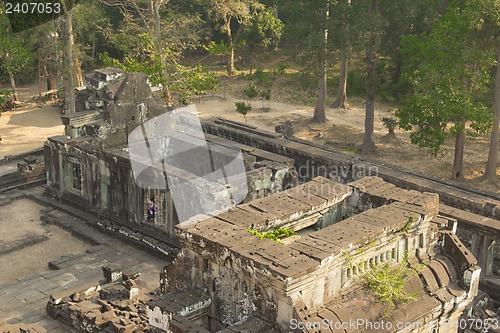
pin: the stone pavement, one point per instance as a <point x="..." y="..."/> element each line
<point x="25" y="298"/>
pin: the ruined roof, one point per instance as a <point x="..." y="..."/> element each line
<point x="436" y="289"/>
<point x="302" y="256"/>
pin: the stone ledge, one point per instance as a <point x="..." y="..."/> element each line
<point x="29" y="240"/>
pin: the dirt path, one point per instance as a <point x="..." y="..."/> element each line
<point x="29" y="125"/>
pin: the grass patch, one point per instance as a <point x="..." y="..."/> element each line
<point x="351" y="149"/>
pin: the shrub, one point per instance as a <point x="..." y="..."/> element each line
<point x="243" y="108"/>
<point x="251" y="91"/>
<point x="387" y="284"/>
<point x="4" y="99"/>
<point x="390" y="124"/>
<point x="280" y="68"/>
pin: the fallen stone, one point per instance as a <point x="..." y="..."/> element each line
<point x="104" y="318"/>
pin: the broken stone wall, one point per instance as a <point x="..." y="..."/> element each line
<point x="235" y="288"/>
<point x="106" y="181"/>
<point x="134" y="103"/>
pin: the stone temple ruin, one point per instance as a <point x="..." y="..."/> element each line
<point x="318" y="276"/>
<point x="221" y="277"/>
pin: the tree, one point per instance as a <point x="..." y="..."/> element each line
<point x="492" y="27"/>
<point x="149" y="19"/>
<point x="377" y="28"/>
<point x="91" y="34"/>
<point x="448" y="71"/>
<point x="14" y="58"/>
<point x="307" y="25"/>
<point x="373" y="37"/>
<point x="226" y="12"/>
<point x="343" y="41"/>
<point x="263" y="32"/>
<point x="153" y="44"/>
<point x="490" y="173"/>
<point x="72" y="72"/>
<point x="319" y="109"/>
<point x="243" y="108"/>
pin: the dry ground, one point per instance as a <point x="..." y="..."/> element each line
<point x="27" y="127"/>
<point x="344" y="129"/>
<point x="20" y="218"/>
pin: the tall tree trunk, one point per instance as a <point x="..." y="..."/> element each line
<point x="51" y="82"/>
<point x="13" y="86"/>
<point x="230" y="43"/>
<point x="341" y="99"/>
<point x="92" y="56"/>
<point x="159" y="48"/>
<point x="319" y="109"/>
<point x="78" y="72"/>
<point x="155" y="34"/>
<point x="69" y="80"/>
<point x="231" y="70"/>
<point x="490" y="174"/>
<point x="458" y="159"/>
<point x="251" y="62"/>
<point x="368" y="146"/>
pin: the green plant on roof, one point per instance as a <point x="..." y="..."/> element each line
<point x="408" y="224"/>
<point x="387" y="283"/>
<point x="273" y="235"/>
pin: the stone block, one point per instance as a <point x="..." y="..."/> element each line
<point x="112" y="274"/>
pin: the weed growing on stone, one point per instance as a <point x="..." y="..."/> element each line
<point x="273" y="235"/>
<point x="387" y="283"/>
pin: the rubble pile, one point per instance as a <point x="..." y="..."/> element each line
<point x="480" y="316"/>
<point x="115" y="306"/>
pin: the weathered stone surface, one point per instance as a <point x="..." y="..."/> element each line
<point x="377" y="223"/>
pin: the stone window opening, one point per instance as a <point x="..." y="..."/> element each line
<point x="77" y="176"/>
<point x="158" y="197"/>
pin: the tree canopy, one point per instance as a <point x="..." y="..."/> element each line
<point x="434" y="59"/>
<point x="449" y="73"/>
